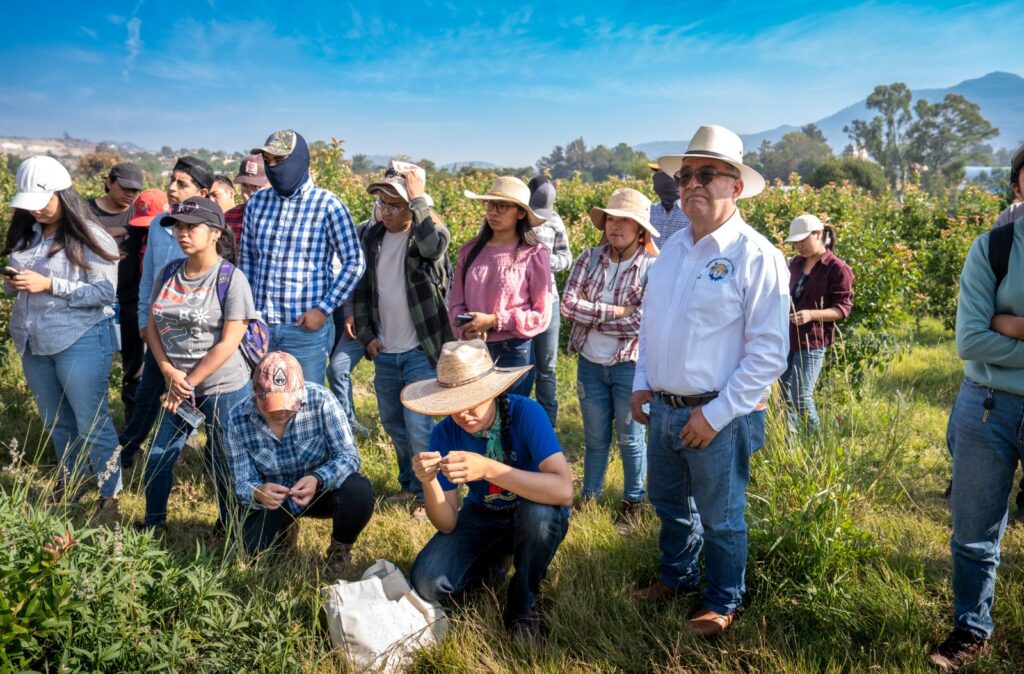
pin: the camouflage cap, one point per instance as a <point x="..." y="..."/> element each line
<point x="280" y="143"/>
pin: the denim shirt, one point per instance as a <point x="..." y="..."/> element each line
<point x="50" y="322"/>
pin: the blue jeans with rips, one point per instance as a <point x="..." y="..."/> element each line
<point x="311" y="349"/>
<point x="170" y="440"/>
<point x="802" y="370"/>
<point x="409" y="431"/>
<point x="347" y="354"/>
<point x="514" y="353"/>
<point x="700" y="496"/>
<point x="70" y="389"/>
<point x="545" y="353"/>
<point x="985" y="456"/>
<point x="604" y="392"/>
<point x="476" y="549"/>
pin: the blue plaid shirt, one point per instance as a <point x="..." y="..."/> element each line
<point x="287" y="248"/>
<point x="317" y="441"/>
<point x="669" y="223"/>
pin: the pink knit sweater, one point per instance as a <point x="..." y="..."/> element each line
<point x="513" y="284"/>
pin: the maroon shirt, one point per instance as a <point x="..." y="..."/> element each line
<point x="828" y="286"/>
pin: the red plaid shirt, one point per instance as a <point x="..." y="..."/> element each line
<point x="233" y="219"/>
<point x="581" y="301"/>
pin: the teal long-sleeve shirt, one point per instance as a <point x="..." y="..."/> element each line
<point x="991" y="359"/>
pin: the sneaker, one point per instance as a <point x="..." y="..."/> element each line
<point x="358" y="429"/>
<point x="158" y="530"/>
<point x="658" y="593"/>
<point x="629" y="514"/>
<point x="960" y="648"/>
<point x="338" y="556"/>
<point x="529" y="629"/>
<point x="419" y="513"/>
<point x="108" y="510"/>
<point x="706" y="623"/>
<point x="401" y="498"/>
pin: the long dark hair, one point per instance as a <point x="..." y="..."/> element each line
<point x="226" y="246"/>
<point x="828" y="237"/>
<point x="73" y="236"/>
<point x="523" y="230"/>
<point x="506" y="427"/>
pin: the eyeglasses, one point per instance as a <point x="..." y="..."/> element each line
<point x="705" y="175"/>
<point x="385" y="207"/>
<point x="499" y="207"/>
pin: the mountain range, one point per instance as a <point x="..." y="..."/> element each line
<point x="1000" y="96"/>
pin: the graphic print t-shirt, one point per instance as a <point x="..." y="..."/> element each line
<point x="533" y="440"/>
<point x="189" y="320"/>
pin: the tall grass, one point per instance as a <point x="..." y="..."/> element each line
<point x="848" y="567"/>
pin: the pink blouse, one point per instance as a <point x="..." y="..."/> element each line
<point x="511" y="283"/>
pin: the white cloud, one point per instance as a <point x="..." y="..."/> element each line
<point x="133" y="44"/>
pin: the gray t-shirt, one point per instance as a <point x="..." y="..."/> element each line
<point x="189" y="320"/>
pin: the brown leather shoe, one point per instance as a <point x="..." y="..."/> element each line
<point x="706" y="623"/>
<point x="658" y="592"/>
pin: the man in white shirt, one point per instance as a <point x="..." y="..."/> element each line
<point x="713" y="338"/>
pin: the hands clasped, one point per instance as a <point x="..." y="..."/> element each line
<point x="458" y="467"/>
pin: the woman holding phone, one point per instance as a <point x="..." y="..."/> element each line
<point x="198" y="317"/>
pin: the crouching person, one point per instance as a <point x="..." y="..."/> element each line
<point x="292" y="455"/>
<point x="502" y="447"/>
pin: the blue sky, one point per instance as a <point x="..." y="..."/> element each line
<point x="452" y="81"/>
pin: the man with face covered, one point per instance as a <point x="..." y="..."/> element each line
<point x="292" y="233"/>
<point x="667" y="214"/>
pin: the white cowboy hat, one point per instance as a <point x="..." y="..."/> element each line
<point x="717" y="142"/>
<point x="626" y="202"/>
<point x="513" y="190"/>
<point x="466" y="377"/>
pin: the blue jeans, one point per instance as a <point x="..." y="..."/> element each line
<point x="410" y="432"/>
<point x="604" y="393"/>
<point x="985" y="456"/>
<point x="700" y="497"/>
<point x="147" y="407"/>
<point x="311" y="349"/>
<point x="167" y="446"/>
<point x="347" y="354"/>
<point x="70" y="389"/>
<point x="802" y="370"/>
<point x="476" y="549"/>
<point x="545" y="352"/>
<point x="514" y="353"/>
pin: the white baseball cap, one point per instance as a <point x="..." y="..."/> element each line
<point x="38" y="178"/>
<point x="802" y="226"/>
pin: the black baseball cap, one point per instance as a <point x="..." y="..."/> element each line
<point x="127" y="175"/>
<point x="197" y="168"/>
<point x="195" y="210"/>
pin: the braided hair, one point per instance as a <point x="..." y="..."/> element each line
<point x="506" y="427"/>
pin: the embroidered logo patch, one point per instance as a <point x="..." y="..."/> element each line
<point x="719" y="268"/>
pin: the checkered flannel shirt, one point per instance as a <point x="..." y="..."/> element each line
<point x="669" y="223"/>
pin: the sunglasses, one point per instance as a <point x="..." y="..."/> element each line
<point x="187" y="207"/>
<point x="705" y="175"/>
<point x="499" y="207"/>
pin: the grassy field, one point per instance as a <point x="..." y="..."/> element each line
<point x="849" y="564"/>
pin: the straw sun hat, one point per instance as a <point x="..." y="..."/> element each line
<point x="466" y="377"/>
<point x="717" y="142"/>
<point x="512" y="190"/>
<point x="628" y="203"/>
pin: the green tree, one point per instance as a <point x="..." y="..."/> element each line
<point x="796" y="152"/>
<point x="885" y="135"/>
<point x="361" y="164"/>
<point x="942" y="138"/>
<point x="862" y="173"/>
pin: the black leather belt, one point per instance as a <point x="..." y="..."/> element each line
<point x="673" y="400"/>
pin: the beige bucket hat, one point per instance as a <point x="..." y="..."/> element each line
<point x="466" y="377"/>
<point x="513" y="190"/>
<point x="717" y="142"/>
<point x="626" y="202"/>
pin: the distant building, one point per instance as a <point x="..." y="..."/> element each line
<point x="851" y="151"/>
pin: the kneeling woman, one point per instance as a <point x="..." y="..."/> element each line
<point x="197" y="319"/>
<point x="503" y="448"/>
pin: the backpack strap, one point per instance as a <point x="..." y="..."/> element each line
<point x="224" y="281"/>
<point x="172" y="268"/>
<point x="1000" y="243"/>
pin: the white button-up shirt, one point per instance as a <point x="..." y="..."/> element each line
<point x="716" y="318"/>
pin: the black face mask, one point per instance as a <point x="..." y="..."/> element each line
<point x="665" y="186"/>
<point x="289" y="174"/>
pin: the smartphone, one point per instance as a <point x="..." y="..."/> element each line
<point x="190" y="414"/>
<point x="462" y="319"/>
<point x="10" y="272"/>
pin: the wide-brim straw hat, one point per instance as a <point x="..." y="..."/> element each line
<point x="513" y="190"/>
<point x="717" y="142"/>
<point x="466" y="377"/>
<point x="626" y="202"/>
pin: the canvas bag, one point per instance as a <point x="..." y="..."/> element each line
<point x="380" y="621"/>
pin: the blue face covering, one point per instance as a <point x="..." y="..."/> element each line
<point x="289" y="174"/>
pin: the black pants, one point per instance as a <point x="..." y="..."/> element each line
<point x="350" y="506"/>
<point x="133" y="350"/>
